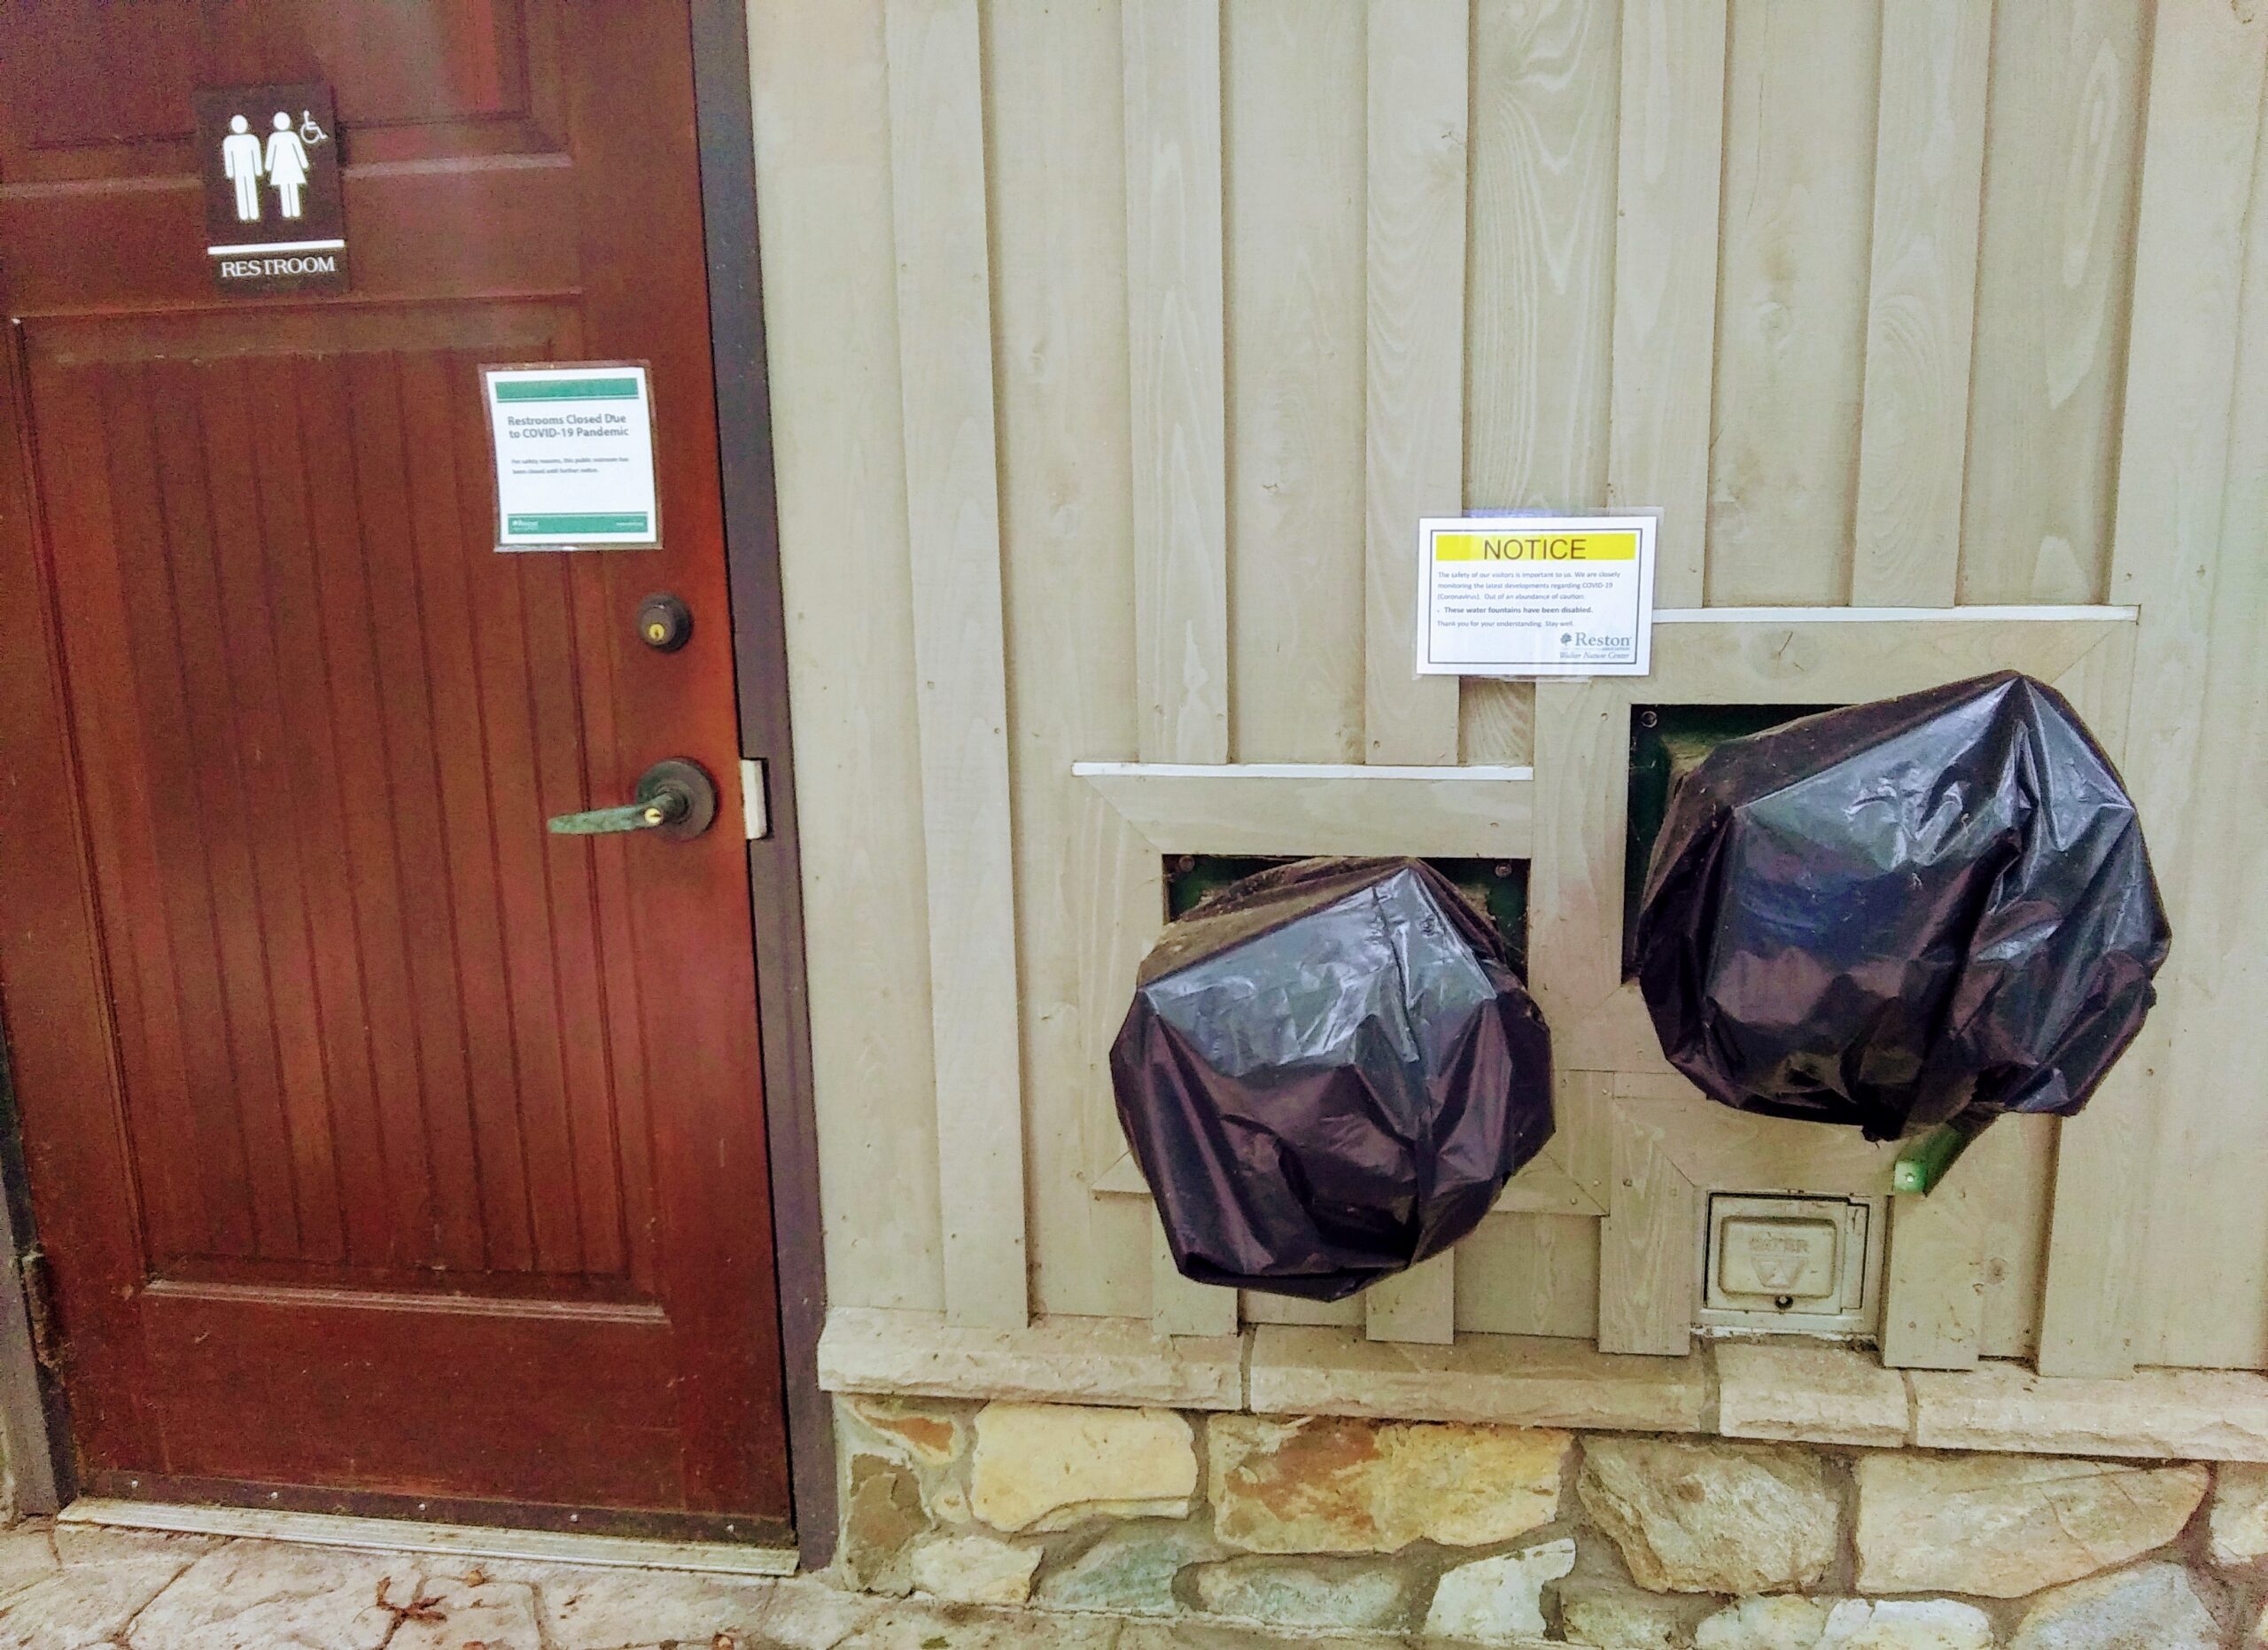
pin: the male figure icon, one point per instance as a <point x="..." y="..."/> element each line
<point x="240" y="164"/>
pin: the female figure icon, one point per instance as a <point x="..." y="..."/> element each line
<point x="287" y="164"/>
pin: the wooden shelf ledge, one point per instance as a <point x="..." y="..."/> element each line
<point x="1320" y="808"/>
<point x="1794" y="1391"/>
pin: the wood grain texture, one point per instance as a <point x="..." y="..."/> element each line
<point x="1798" y="153"/>
<point x="1414" y="401"/>
<point x="2205" y="1272"/>
<point x="937" y="96"/>
<point x="1921" y="301"/>
<point x="1175" y="345"/>
<point x="2014" y="1242"/>
<point x="2055" y="266"/>
<point x="1468" y="813"/>
<point x="1175" y="295"/>
<point x="1962" y="1280"/>
<point x="1087" y="887"/>
<point x="2199" y="156"/>
<point x="1539" y="313"/>
<point x="1669" y="172"/>
<point x="1495" y="720"/>
<point x="1419" y="1304"/>
<point x="1933" y="1285"/>
<point x="1178" y="1306"/>
<point x="1574" y="923"/>
<point x="1258" y="1307"/>
<point x="1646" y="1248"/>
<point x="436" y="1109"/>
<point x="1294" y="157"/>
<point x="1717" y="1148"/>
<point x="1414" y="436"/>
<point x="1539" y="308"/>
<point x="2033" y="473"/>
<point x="1530" y="1275"/>
<point x="832" y="354"/>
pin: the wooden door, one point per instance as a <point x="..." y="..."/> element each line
<point x="381" y="1145"/>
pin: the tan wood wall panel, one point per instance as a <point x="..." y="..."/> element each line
<point x="1920" y="299"/>
<point x="2202" y="1294"/>
<point x="1176" y="301"/>
<point x="2054" y="260"/>
<point x="1415" y="357"/>
<point x="1669" y="167"/>
<point x="1529" y="1275"/>
<point x="1086" y="884"/>
<point x="830" y="295"/>
<point x="1540" y="304"/>
<point x="1791" y="299"/>
<point x="1293" y="99"/>
<point x="938" y="187"/>
<point x="1174" y="329"/>
<point x="2149" y="1140"/>
<point x="1414" y="435"/>
<point x="2199" y="149"/>
<point x="1266" y="280"/>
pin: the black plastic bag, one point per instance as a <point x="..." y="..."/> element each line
<point x="1328" y="1073"/>
<point x="1932" y="909"/>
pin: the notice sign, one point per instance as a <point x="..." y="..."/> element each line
<point x="274" y="222"/>
<point x="574" y="457"/>
<point x="1535" y="595"/>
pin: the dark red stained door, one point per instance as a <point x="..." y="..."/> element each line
<point x="379" y="1141"/>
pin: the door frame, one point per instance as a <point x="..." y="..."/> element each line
<point x="725" y="122"/>
<point x="34" y="1421"/>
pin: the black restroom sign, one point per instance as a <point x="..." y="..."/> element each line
<point x="273" y="220"/>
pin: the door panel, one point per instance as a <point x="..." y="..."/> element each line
<point x="234" y="1360"/>
<point x="350" y="950"/>
<point x="381" y="1142"/>
<point x="412" y="81"/>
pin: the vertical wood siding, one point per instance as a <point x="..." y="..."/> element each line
<point x="1173" y="315"/>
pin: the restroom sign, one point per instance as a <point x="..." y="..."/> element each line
<point x="274" y="220"/>
<point x="1536" y="596"/>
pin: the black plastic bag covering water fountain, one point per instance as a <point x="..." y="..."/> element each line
<point x="1328" y="1073"/>
<point x="1929" y="911"/>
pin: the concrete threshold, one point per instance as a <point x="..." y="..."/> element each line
<point x="390" y="1535"/>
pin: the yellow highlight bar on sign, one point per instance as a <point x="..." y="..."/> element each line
<point x="1535" y="547"/>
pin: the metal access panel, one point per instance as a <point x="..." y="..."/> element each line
<point x="1803" y="1266"/>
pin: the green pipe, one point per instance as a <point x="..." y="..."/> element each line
<point x="1920" y="1168"/>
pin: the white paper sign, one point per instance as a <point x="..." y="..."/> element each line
<point x="1535" y="595"/>
<point x="574" y="457"/>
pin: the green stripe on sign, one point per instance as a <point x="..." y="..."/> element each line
<point x="635" y="522"/>
<point x="566" y="389"/>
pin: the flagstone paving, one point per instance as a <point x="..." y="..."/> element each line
<point x="73" y="1587"/>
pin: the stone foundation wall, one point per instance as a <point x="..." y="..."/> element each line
<point x="1512" y="1535"/>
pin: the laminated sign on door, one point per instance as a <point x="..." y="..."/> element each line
<point x="574" y="456"/>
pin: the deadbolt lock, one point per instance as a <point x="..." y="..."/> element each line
<point x="665" y="622"/>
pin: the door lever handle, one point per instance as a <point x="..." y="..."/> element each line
<point x="675" y="797"/>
